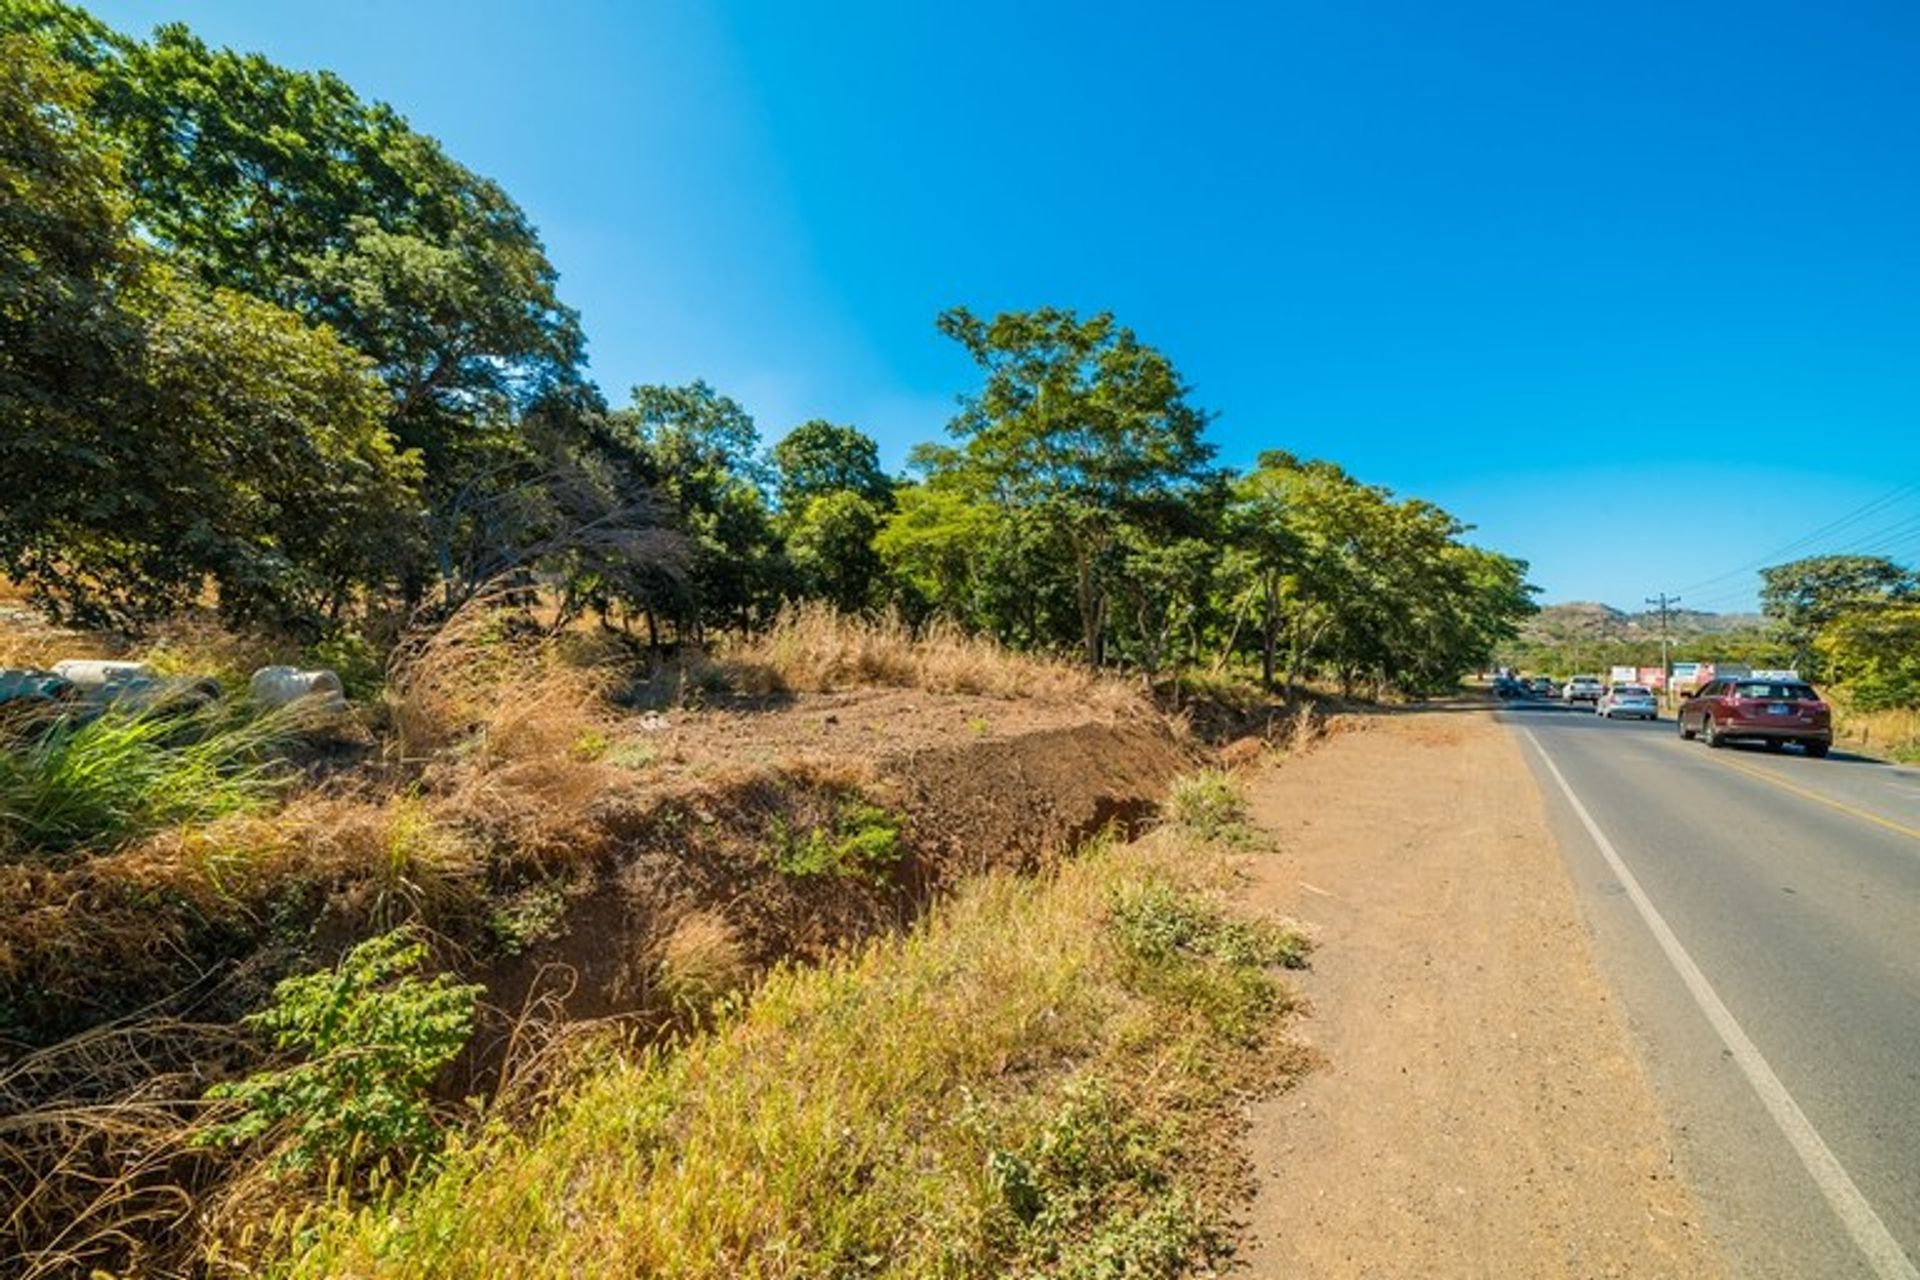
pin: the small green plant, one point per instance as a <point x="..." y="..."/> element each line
<point x="980" y="726"/>
<point x="530" y="916"/>
<point x="1185" y="951"/>
<point x="361" y="667"/>
<point x="589" y="745"/>
<point x="1155" y="922"/>
<point x="372" y="1034"/>
<point x="630" y="753"/>
<point x="862" y="841"/>
<point x="1209" y="804"/>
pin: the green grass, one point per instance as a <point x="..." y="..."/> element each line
<point x="124" y="774"/>
<point x="1040" y="1079"/>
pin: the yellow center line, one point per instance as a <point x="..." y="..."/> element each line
<point x="1912" y="833"/>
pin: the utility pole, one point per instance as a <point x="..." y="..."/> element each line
<point x="1664" y="603"/>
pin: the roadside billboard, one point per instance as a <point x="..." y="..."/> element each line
<point x="1653" y="677"/>
<point x="1622" y="675"/>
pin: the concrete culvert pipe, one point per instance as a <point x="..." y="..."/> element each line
<point x="91" y="676"/>
<point x="282" y="686"/>
<point x="20" y="684"/>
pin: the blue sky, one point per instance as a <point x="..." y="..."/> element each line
<point x="1633" y="288"/>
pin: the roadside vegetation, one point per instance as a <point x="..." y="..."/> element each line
<point x="1063" y="1061"/>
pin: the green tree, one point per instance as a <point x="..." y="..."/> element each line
<point x="1264" y="554"/>
<point x="1875" y="651"/>
<point x="1080" y="427"/>
<point x="831" y="544"/>
<point x="706" y="450"/>
<point x="161" y="434"/>
<point x="1803" y="596"/>
<point x="818" y="458"/>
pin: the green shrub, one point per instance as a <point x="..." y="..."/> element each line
<point x="123" y="774"/>
<point x="1208" y="804"/>
<point x="372" y="1034"/>
<point x="862" y="841"/>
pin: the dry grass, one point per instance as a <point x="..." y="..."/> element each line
<point x="699" y="963"/>
<point x="812" y="647"/>
<point x="1041" y="1079"/>
<point x="1894" y="733"/>
<point x="96" y="1157"/>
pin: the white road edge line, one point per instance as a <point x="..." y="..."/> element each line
<point x="1883" y="1252"/>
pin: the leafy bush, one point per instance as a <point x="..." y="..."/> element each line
<point x="373" y="1035"/>
<point x="123" y="774"/>
<point x="863" y="840"/>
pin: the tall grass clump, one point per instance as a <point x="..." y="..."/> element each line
<point x="1040" y="1079"/>
<point x="812" y="647"/>
<point x="70" y="783"/>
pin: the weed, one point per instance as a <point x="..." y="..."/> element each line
<point x="1186" y="950"/>
<point x="590" y="744"/>
<point x="980" y="726"/>
<point x="361" y="666"/>
<point x="862" y="841"/>
<point x="1156" y="921"/>
<point x="811" y="646"/>
<point x="1210" y="805"/>
<point x="700" y="963"/>
<point x="528" y="917"/>
<point x="372" y="1034"/>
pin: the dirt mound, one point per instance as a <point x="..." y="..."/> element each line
<point x="788" y="861"/>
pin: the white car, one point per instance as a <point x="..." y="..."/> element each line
<point x="1634" y="700"/>
<point x="1581" y="689"/>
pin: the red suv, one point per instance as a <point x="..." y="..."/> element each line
<point x="1774" y="712"/>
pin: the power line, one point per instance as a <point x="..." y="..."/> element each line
<point x="1833" y="526"/>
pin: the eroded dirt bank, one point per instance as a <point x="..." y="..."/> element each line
<point x="1481" y="1111"/>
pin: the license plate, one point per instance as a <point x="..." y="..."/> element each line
<point x="1779" y="709"/>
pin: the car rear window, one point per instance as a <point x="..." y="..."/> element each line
<point x="1773" y="691"/>
<point x="1633" y="691"/>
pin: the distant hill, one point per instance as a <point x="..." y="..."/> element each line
<point x="1589" y="621"/>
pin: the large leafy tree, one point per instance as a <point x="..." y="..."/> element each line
<point x="818" y="458"/>
<point x="1875" y="651"/>
<point x="834" y="500"/>
<point x="1803" y="596"/>
<point x="1082" y="429"/>
<point x="706" y="449"/>
<point x="161" y="434"/>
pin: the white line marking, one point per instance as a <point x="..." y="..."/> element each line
<point x="1883" y="1252"/>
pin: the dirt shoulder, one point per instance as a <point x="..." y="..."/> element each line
<point x="1482" y="1111"/>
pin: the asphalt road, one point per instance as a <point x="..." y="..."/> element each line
<point x="1759" y="918"/>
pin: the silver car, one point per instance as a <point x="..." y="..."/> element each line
<point x="1632" y="700"/>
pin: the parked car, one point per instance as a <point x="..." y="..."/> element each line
<point x="1544" y="687"/>
<point x="1774" y="712"/>
<point x="1582" y="689"/>
<point x="1634" y="701"/>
